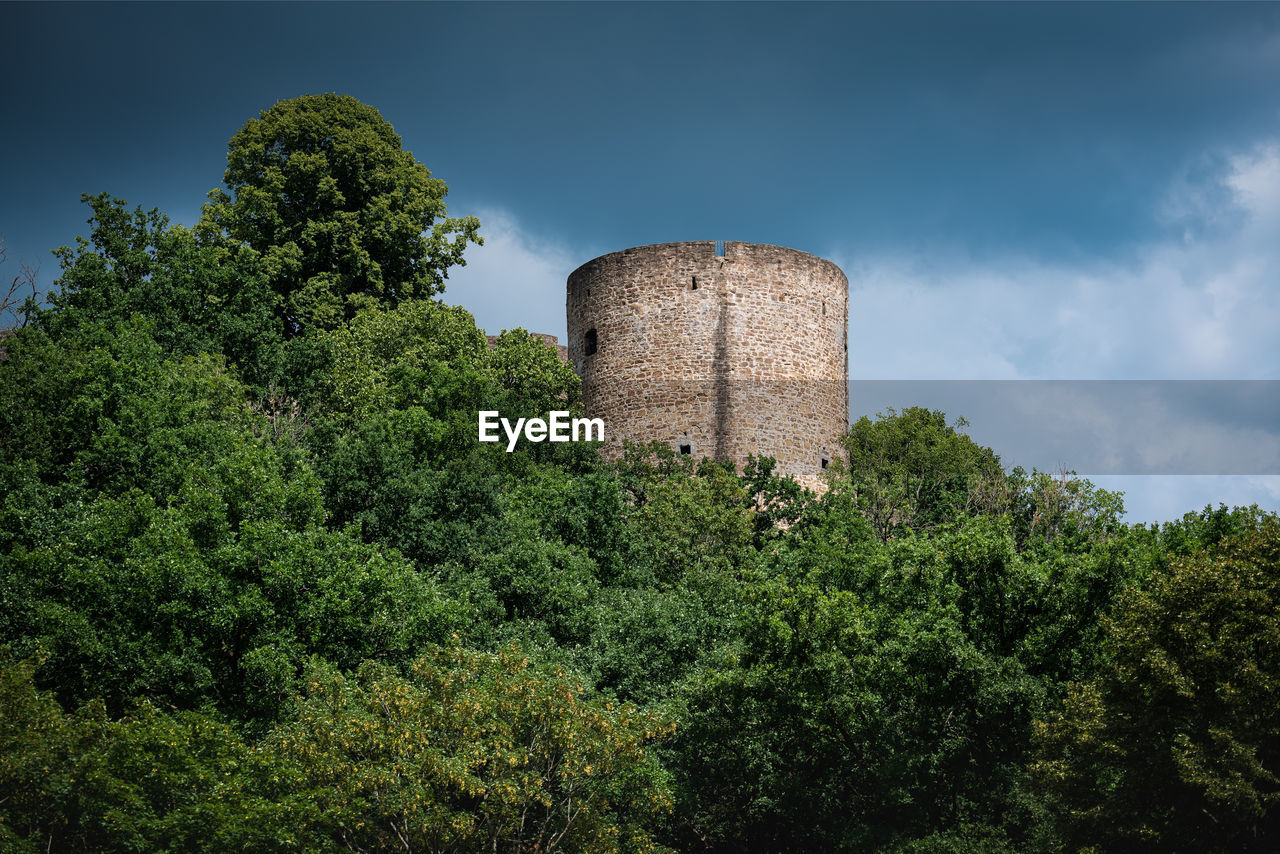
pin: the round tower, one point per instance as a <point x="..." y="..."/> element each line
<point x="719" y="349"/>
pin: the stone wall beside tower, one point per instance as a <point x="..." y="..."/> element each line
<point x="719" y="349"/>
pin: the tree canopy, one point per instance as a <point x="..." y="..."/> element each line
<point x="1175" y="744"/>
<point x="341" y="215"/>
<point x="262" y="590"/>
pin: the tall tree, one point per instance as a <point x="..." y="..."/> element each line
<point x="342" y="215"/>
<point x="911" y="471"/>
<point x="1175" y="745"/>
<point x="202" y="291"/>
<point x="19" y="297"/>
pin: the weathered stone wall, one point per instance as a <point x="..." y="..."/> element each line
<point x="729" y="355"/>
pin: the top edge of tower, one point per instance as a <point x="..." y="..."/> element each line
<point x="728" y="250"/>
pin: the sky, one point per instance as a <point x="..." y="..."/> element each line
<point x="1035" y="192"/>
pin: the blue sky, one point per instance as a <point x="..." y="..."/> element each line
<point x="1079" y="191"/>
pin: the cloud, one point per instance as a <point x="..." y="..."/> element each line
<point x="1104" y="427"/>
<point x="514" y="280"/>
<point x="1165" y="499"/>
<point x="1203" y="303"/>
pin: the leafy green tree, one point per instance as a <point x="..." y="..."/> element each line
<point x="911" y="471"/>
<point x="149" y="781"/>
<point x="1175" y="745"/>
<point x="106" y="409"/>
<point x="533" y="377"/>
<point x="396" y="445"/>
<point x="201" y="292"/>
<point x="1207" y="528"/>
<point x="671" y="540"/>
<point x="470" y="753"/>
<point x="192" y="607"/>
<point x="162" y="541"/>
<point x="778" y="501"/>
<point x="687" y="516"/>
<point x="418" y="354"/>
<point x="340" y="214"/>
<point x="473" y="752"/>
<point x="1062" y="509"/>
<point x="867" y="706"/>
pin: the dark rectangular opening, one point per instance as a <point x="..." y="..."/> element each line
<point x="686" y="450"/>
<point x="592" y="342"/>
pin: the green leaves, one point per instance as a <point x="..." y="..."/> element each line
<point x="273" y="581"/>
<point x="910" y="471"/>
<point x="182" y="554"/>
<point x="148" y="781"/>
<point x="471" y="753"/>
<point x="341" y="215"/>
<point x="200" y="292"/>
<point x="467" y="753"/>
<point x="1175" y="745"/>
<point x="867" y="706"/>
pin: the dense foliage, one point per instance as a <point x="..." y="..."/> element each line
<point x="261" y="589"/>
<point x="338" y="214"/>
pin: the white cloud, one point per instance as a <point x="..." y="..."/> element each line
<point x="1202" y="305"/>
<point x="513" y="280"/>
<point x="1166" y="498"/>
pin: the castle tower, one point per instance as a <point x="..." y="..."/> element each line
<point x="720" y="349"/>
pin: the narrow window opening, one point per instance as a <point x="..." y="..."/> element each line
<point x="824" y="308"/>
<point x="694" y="286"/>
<point x="824" y="460"/>
<point x="686" y="450"/>
<point x="592" y="342"/>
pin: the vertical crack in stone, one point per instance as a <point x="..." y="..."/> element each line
<point x="720" y="375"/>
<point x="744" y="364"/>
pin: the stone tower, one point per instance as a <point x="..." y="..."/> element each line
<point x="720" y="349"/>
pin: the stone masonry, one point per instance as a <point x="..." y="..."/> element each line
<point x="721" y="350"/>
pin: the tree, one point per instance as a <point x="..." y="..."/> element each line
<point x="341" y="215"/>
<point x="19" y="297"/>
<point x="911" y="471"/>
<point x="1064" y="510"/>
<point x="779" y="501"/>
<point x="843" y="723"/>
<point x="473" y="753"/>
<point x="201" y="292"/>
<point x="1175" y="745"/>
<point x="396" y="444"/>
<point x="150" y="781"/>
<point x="157" y="540"/>
<point x="1205" y="529"/>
